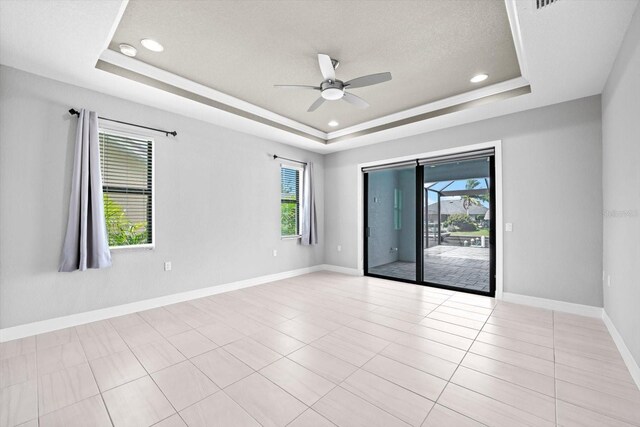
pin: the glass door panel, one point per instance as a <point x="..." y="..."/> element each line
<point x="390" y="221"/>
<point x="458" y="230"/>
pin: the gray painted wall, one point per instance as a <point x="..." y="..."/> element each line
<point x="552" y="191"/>
<point x="407" y="233"/>
<point x="217" y="205"/>
<point x="621" y="184"/>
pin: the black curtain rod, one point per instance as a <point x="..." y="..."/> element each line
<point x="75" y="112"/>
<point x="275" y="156"/>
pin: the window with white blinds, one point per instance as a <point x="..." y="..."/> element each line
<point x="290" y="180"/>
<point x="126" y="163"/>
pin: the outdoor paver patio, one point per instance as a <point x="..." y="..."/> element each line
<point x="462" y="267"/>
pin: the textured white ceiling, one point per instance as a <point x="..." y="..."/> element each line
<point x="243" y="48"/>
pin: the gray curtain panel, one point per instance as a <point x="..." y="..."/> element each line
<point x="86" y="244"/>
<point x="309" y="221"/>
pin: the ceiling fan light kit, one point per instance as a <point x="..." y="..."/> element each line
<point x="332" y="89"/>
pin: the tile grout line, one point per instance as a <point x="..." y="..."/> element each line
<point x="187" y="359"/>
<point x="556" y="400"/>
<point x="65" y="368"/>
<point x="555" y="363"/>
<point x="512" y="383"/>
<point x="391" y="342"/>
<point x="517" y="385"/>
<point x="555" y="384"/>
<point x="435" y="402"/>
<point x="459" y="364"/>
<point x="358" y="368"/>
<point x="490" y="397"/>
<point x="258" y="372"/>
<point x="361" y="367"/>
<point x="221" y="389"/>
<point x="280" y="358"/>
<point x="99" y="391"/>
<point x="145" y="369"/>
<point x="334" y="384"/>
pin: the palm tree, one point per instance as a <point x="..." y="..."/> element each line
<point x="469" y="200"/>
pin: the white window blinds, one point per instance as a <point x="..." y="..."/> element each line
<point x="289" y="201"/>
<point x="127" y="184"/>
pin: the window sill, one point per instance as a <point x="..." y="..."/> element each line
<point x="290" y="237"/>
<point x="148" y="247"/>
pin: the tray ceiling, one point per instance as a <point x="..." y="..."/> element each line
<point x="242" y="48"/>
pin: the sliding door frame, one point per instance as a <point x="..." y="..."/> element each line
<point x="419" y="223"/>
<point x="496" y="238"/>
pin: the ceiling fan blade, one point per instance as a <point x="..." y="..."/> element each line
<point x="355" y="100"/>
<point x="371" y="79"/>
<point x="326" y="67"/>
<point x="296" y="87"/>
<point x="316" y="104"/>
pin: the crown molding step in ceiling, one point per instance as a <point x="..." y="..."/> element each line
<point x="444" y="57"/>
<point x="218" y="61"/>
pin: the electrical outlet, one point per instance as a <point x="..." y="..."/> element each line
<point x="339" y="248"/>
<point x="508" y="226"/>
<point x="167" y="266"/>
<point x="275" y="252"/>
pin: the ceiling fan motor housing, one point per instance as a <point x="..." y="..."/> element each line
<point x="332" y="90"/>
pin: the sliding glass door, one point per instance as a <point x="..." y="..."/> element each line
<point x="431" y="222"/>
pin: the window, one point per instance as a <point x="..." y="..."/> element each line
<point x="126" y="162"/>
<point x="290" y="184"/>
<point x="397" y="209"/>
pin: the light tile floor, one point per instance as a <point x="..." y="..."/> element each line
<point x="461" y="267"/>
<point x="320" y="350"/>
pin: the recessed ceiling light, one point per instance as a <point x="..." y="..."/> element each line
<point x="152" y="45"/>
<point x="333" y="123"/>
<point x="479" y="78"/>
<point x="128" y="50"/>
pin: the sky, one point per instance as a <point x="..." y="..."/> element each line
<point x="456" y="185"/>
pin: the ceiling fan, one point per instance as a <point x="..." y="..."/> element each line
<point x="332" y="89"/>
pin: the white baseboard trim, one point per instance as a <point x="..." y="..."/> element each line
<point x="631" y="363"/>
<point x="29" y="329"/>
<point x="343" y="270"/>
<point x="567" y="307"/>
